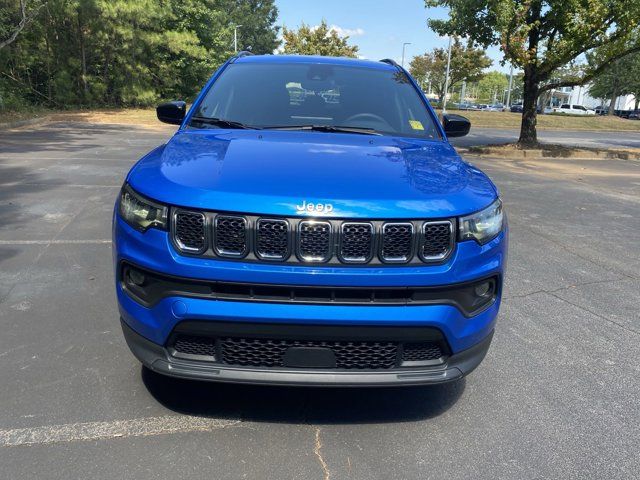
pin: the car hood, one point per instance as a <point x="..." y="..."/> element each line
<point x="273" y="172"/>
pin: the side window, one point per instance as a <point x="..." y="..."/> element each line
<point x="565" y="105"/>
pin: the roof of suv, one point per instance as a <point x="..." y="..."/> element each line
<point x="314" y="59"/>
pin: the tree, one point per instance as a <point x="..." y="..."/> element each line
<point x="467" y="63"/>
<point x="541" y="36"/>
<point x="123" y="52"/>
<point x="620" y="78"/>
<point x="492" y="86"/>
<point x="258" y="18"/>
<point x="320" y="40"/>
<point x="10" y="28"/>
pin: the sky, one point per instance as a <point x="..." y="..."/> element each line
<point x="377" y="27"/>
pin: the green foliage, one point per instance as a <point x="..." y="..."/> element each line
<point x="542" y="36"/>
<point x="492" y="86"/>
<point x="317" y="41"/>
<point x="620" y="78"/>
<point x="467" y="63"/>
<point x="126" y="52"/>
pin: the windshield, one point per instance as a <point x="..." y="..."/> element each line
<point x="298" y="94"/>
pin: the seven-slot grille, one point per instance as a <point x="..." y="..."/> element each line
<point x="300" y="240"/>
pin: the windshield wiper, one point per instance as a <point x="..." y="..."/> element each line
<point x="221" y="122"/>
<point x="326" y="128"/>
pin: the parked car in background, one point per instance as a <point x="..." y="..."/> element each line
<point x="518" y="108"/>
<point x="467" y="106"/>
<point x="634" y="115"/>
<point x="573" y="109"/>
<point x="494" y="107"/>
<point x="601" y="110"/>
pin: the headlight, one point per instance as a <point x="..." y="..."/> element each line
<point x="484" y="225"/>
<point x="140" y="212"/>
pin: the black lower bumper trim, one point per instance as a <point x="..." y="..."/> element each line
<point x="157" y="358"/>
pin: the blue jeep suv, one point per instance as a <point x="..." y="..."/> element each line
<point x="309" y="223"/>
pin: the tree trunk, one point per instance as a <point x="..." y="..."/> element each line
<point x="637" y="96"/>
<point x="612" y="105"/>
<point x="528" y="133"/>
<point x="83" y="60"/>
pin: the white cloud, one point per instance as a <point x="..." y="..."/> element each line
<point x="343" y="32"/>
<point x="347" y="32"/>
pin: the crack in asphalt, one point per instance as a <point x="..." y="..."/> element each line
<point x="317" y="450"/>
<point x="138" y="427"/>
<point x="568" y="287"/>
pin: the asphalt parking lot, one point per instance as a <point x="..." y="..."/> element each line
<point x="557" y="396"/>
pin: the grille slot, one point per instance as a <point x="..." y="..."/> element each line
<point x="230" y="236"/>
<point x="397" y="242"/>
<point x="356" y="242"/>
<point x="264" y="352"/>
<point x="190" y="231"/>
<point x="314" y="241"/>
<point x="421" y="352"/>
<point x="272" y="239"/>
<point x="436" y="241"/>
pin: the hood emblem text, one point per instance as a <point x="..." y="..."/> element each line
<point x="314" y="207"/>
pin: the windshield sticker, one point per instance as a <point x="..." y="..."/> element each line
<point x="416" y="124"/>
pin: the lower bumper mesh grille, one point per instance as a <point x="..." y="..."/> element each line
<point x="270" y="353"/>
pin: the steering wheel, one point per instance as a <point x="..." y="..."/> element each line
<point x="366" y="117"/>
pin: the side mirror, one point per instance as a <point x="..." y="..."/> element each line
<point x="172" y="112"/>
<point x="455" y="125"/>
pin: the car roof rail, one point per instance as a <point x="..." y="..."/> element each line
<point x="390" y="61"/>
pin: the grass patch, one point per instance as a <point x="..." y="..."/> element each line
<point x="129" y="116"/>
<point x="147" y="117"/>
<point x="11" y="117"/>
<point x="551" y="122"/>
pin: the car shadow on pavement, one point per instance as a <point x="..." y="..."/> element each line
<point x="302" y="404"/>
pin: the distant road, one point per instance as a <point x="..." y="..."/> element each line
<point x="597" y="139"/>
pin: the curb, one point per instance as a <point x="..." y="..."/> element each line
<point x="540" y="154"/>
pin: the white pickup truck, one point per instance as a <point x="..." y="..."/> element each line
<point x="573" y="109"/>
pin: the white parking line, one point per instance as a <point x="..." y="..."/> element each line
<point x="139" y="427"/>
<point x="54" y="242"/>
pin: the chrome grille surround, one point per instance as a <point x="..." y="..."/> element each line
<point x="397" y="242"/>
<point x="437" y="240"/>
<point x="190" y="231"/>
<point x="230" y="237"/>
<point x="347" y="242"/>
<point x="272" y="240"/>
<point x="314" y="241"/>
<point x="356" y="246"/>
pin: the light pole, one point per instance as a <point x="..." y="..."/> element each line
<point x="403" y="47"/>
<point x="235" y="37"/>
<point x="446" y="81"/>
<point x="510" y="85"/>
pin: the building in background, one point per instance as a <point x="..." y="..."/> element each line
<point x="580" y="96"/>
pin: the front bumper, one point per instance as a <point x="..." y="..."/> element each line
<point x="158" y="359"/>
